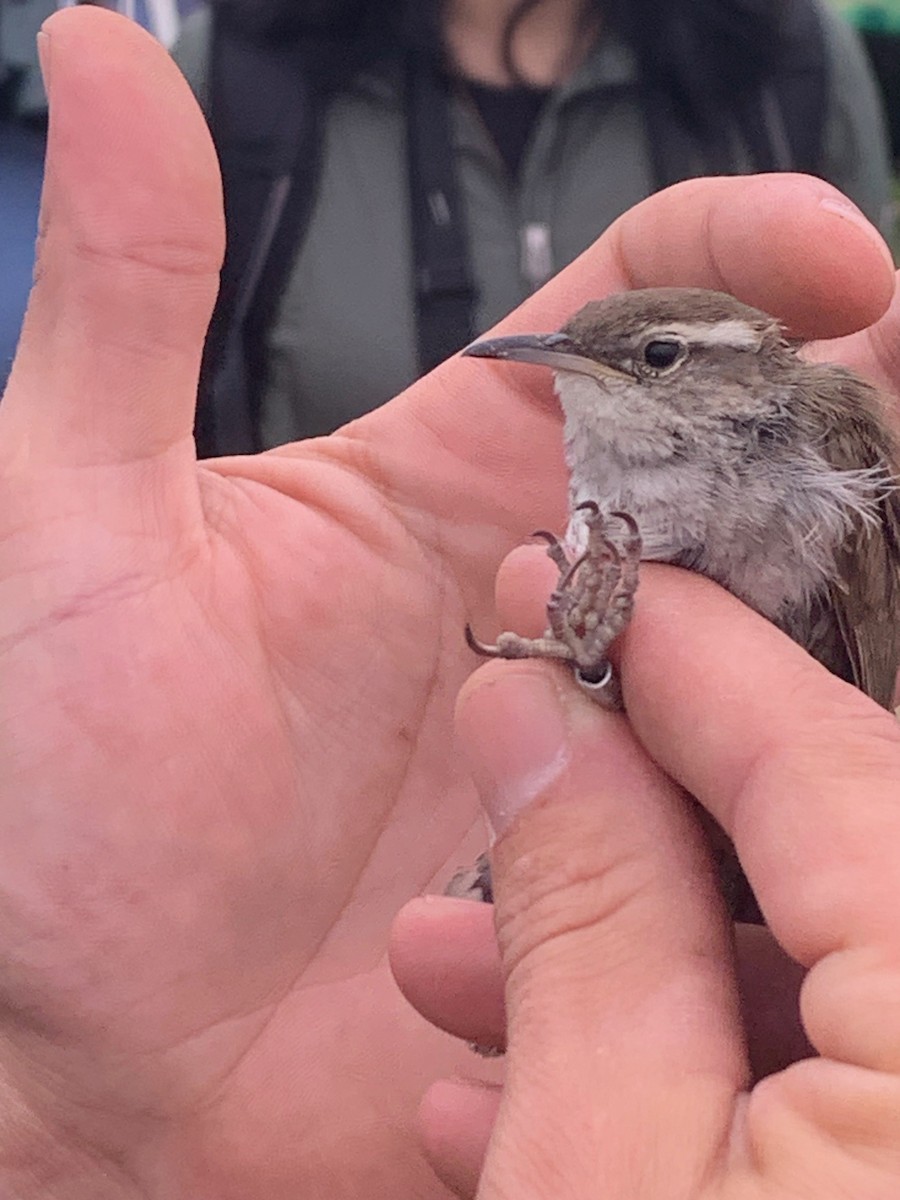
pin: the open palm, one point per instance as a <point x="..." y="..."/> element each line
<point x="226" y="689"/>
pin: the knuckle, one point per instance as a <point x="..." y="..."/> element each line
<point x="580" y="904"/>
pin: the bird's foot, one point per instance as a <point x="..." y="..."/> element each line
<point x="589" y="607"/>
<point x="474" y="883"/>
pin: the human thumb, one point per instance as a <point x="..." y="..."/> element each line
<point x="623" y="1026"/>
<point x="129" y="250"/>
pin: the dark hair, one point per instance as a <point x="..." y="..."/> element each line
<point x="704" y="54"/>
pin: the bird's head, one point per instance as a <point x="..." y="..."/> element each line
<point x="659" y="359"/>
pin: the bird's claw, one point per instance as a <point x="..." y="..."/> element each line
<point x="589" y="607"/>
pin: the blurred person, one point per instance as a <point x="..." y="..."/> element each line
<point x="400" y="175"/>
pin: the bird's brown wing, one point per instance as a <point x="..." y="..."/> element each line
<point x="865" y="598"/>
<point x="866" y="606"/>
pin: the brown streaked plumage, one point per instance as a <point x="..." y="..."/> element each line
<point x="856" y="634"/>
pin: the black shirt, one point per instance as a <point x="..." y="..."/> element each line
<point x="510" y="115"/>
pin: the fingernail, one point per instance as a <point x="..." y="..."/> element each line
<point x="514" y="734"/>
<point x="43" y="49"/>
<point x="848" y="211"/>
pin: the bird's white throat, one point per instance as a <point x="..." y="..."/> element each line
<point x="622" y="456"/>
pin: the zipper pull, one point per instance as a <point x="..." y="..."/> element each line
<point x="535" y="254"/>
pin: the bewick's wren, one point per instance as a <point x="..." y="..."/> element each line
<point x="694" y="416"/>
<point x="696" y="435"/>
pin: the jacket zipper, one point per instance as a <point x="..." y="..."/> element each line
<point x="535" y="243"/>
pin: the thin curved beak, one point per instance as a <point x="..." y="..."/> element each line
<point x="554" y="350"/>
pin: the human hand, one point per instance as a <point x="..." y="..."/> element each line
<point x="628" y="1066"/>
<point x="227" y="689"/>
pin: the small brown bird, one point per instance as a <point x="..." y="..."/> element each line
<point x="696" y="435"/>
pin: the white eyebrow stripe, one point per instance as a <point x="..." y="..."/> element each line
<point x="735" y="333"/>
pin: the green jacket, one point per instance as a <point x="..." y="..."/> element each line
<point x="343" y="341"/>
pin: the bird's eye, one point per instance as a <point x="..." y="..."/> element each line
<point x="661" y="354"/>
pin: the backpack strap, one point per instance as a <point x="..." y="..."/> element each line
<point x="265" y="113"/>
<point x="444" y="291"/>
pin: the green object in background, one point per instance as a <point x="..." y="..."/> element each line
<point x="874" y="17"/>
<point x="20" y="21"/>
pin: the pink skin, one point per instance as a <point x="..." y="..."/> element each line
<point x="765" y="738"/>
<point x="226" y="691"/>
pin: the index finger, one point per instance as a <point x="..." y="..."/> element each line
<point x="803" y="772"/>
<point x="801" y="769"/>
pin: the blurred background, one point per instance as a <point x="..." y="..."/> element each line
<point x="879" y="27"/>
<point x="515" y="102"/>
